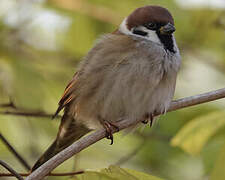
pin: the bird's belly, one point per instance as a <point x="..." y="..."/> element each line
<point x="122" y="102"/>
<point x="162" y="97"/>
<point x="145" y="101"/>
<point x="138" y="100"/>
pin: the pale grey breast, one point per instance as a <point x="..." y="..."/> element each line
<point x="139" y="79"/>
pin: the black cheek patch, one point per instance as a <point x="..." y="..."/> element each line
<point x="167" y="41"/>
<point x="139" y="32"/>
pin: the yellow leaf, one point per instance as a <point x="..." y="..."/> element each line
<point x="218" y="172"/>
<point x="116" y="173"/>
<point x="195" y="134"/>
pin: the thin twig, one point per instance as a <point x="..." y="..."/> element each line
<point x="101" y="13"/>
<point x="15" y="174"/>
<point x="197" y="99"/>
<point x="131" y="154"/>
<point x="23" y="112"/>
<point x="51" y="174"/>
<point x="97" y="135"/>
<point x="15" y="153"/>
<point x="17" y="111"/>
<point x="29" y="114"/>
<point x="140" y="146"/>
<point x="7" y="105"/>
<point x="153" y="135"/>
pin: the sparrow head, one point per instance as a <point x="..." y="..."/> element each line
<point x="154" y="23"/>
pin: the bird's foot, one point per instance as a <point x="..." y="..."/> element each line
<point x="149" y="118"/>
<point x="109" y="127"/>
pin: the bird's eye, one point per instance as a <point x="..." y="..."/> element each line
<point x="151" y="26"/>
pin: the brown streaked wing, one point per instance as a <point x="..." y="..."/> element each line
<point x="68" y="95"/>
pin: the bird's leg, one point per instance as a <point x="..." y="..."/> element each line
<point x="145" y="119"/>
<point x="149" y="117"/>
<point x="109" y="126"/>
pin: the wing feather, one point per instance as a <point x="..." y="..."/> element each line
<point x="68" y="94"/>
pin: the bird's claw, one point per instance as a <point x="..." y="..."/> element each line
<point x="149" y="118"/>
<point x="109" y="127"/>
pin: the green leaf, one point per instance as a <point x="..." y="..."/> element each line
<point x="195" y="134"/>
<point x="218" y="172"/>
<point x="116" y="173"/>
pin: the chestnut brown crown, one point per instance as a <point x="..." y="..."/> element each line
<point x="148" y="14"/>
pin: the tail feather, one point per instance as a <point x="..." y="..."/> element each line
<point x="49" y="153"/>
<point x="69" y="131"/>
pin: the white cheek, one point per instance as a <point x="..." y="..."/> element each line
<point x="123" y="27"/>
<point x="152" y="36"/>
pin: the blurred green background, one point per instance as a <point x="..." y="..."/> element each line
<point x="41" y="43"/>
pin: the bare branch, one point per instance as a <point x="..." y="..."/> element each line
<point x="131" y="154"/>
<point x="88" y="140"/>
<point x="153" y="135"/>
<point x="24" y="112"/>
<point x="7" y="105"/>
<point x="197" y="99"/>
<point x="15" y="153"/>
<point x="18" y="111"/>
<point x="11" y="170"/>
<point x="51" y="174"/>
<point x="29" y="114"/>
<point x="84" y="7"/>
<point x="144" y="137"/>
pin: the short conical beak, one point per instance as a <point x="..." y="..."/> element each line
<point x="167" y="29"/>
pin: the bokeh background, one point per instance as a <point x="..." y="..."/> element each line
<point x="41" y="43"/>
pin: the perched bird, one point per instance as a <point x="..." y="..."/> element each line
<point x="128" y="74"/>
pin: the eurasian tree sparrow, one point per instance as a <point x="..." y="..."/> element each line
<point x="128" y="74"/>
